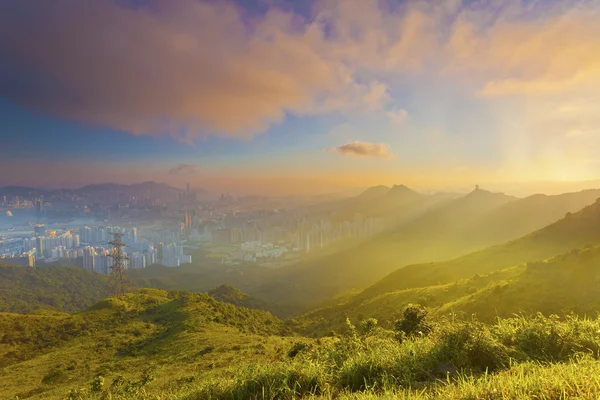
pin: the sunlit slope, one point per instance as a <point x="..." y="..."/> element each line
<point x="169" y="335"/>
<point x="569" y="282"/>
<point x="573" y="231"/>
<point x="566" y="283"/>
<point x="387" y="307"/>
<point x="422" y="239"/>
<point x="24" y="289"/>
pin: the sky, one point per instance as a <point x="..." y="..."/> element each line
<point x="274" y="96"/>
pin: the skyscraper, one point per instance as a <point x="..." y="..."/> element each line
<point x="39" y="207"/>
<point x="39" y="245"/>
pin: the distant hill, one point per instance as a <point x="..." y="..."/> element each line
<point x="396" y="204"/>
<point x="569" y="282"/>
<point x="21" y="191"/>
<point x="421" y="238"/>
<point x="106" y="190"/>
<point x="24" y="289"/>
<point x="372" y="193"/>
<point x="526" y="215"/>
<point x="450" y="229"/>
<point x="566" y="283"/>
<point x="575" y="230"/>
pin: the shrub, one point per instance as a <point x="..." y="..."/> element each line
<point x="367" y="326"/>
<point x="297" y="348"/>
<point x="413" y="322"/>
<point x="471" y="346"/>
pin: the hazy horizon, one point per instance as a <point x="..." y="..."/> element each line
<point x="523" y="189"/>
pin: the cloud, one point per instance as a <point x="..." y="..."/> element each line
<point x="362" y="149"/>
<point x="188" y="68"/>
<point x="183" y="169"/>
<point x="397" y="116"/>
<point x="193" y="68"/>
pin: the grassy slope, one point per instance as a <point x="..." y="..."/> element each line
<point x="569" y="282"/>
<point x="199" y="359"/>
<point x="24" y="289"/>
<point x="498" y="281"/>
<point x="171" y="334"/>
<point x="573" y="231"/>
<point x="566" y="283"/>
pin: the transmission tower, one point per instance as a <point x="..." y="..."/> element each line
<point x="118" y="283"/>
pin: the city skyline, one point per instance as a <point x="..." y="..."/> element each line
<point x="301" y="99"/>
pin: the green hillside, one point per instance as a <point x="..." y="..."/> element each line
<point x="566" y="283"/>
<point x="144" y="336"/>
<point x="24" y="289"/>
<point x="154" y="344"/>
<point x="573" y="231"/>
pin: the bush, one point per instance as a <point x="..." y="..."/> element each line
<point x="367" y="326"/>
<point x="471" y="346"/>
<point x="413" y="322"/>
<point x="297" y="348"/>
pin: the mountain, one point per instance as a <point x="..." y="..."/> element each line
<point x="419" y="238"/>
<point x="21" y="191"/>
<point x="104" y="191"/>
<point x="526" y="215"/>
<point x="140" y="190"/>
<point x="24" y="289"/>
<point x="575" y="230"/>
<point x="566" y="283"/>
<point x="450" y="229"/>
<point x="569" y="282"/>
<point x="372" y="193"/>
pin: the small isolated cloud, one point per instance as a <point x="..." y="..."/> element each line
<point x="398" y="116"/>
<point x="182" y="169"/>
<point x="362" y="149"/>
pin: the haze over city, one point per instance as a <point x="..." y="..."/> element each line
<point x="284" y="97"/>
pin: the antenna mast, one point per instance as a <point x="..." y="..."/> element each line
<point x="118" y="283"/>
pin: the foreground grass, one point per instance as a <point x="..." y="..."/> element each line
<point x="159" y="345"/>
<point x="514" y="358"/>
<point x="579" y="378"/>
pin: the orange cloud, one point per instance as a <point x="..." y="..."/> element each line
<point x="362" y="149"/>
<point x="187" y="68"/>
<point x="191" y="68"/>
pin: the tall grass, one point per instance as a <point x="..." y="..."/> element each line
<point x="480" y="361"/>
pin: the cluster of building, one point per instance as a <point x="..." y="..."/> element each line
<point x="103" y="234"/>
<point x="52" y="245"/>
<point x="99" y="259"/>
<point x="91" y="248"/>
<point x="301" y="237"/>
